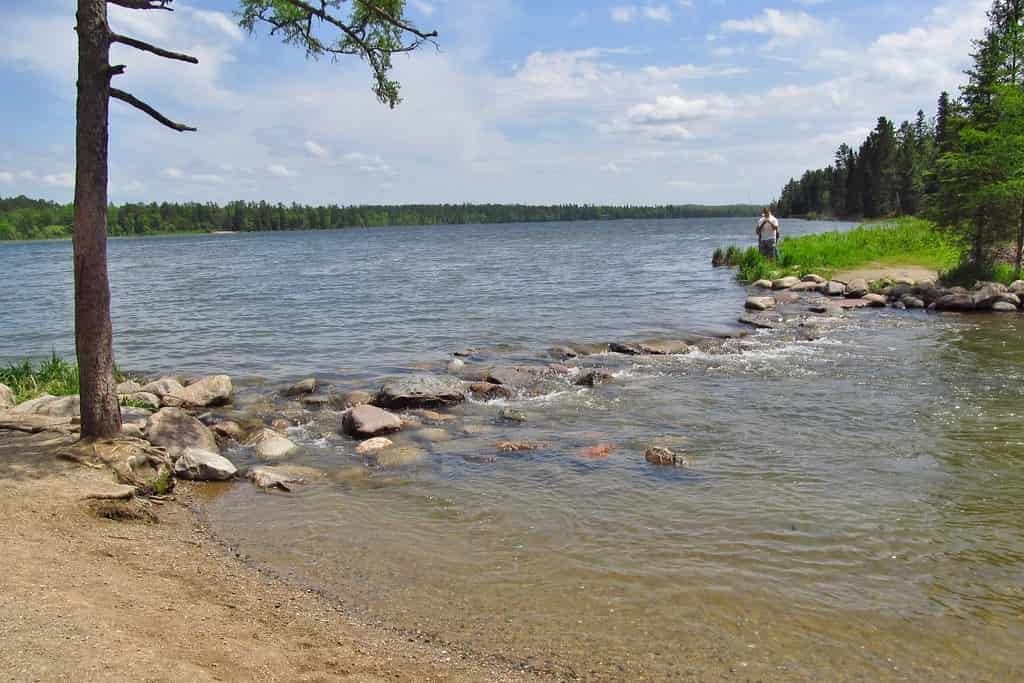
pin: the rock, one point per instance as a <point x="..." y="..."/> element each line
<point x="559" y="368"/>
<point x="856" y="289"/>
<point x="364" y="422"/>
<point x="398" y="457"/>
<point x="1004" y="307"/>
<point x="373" y="445"/>
<point x="272" y="478"/>
<point x="176" y="430"/>
<point x="625" y="349"/>
<point x="306" y="386"/>
<point x="109" y="491"/>
<point x="899" y="306"/>
<point x="811" y="277"/>
<point x="316" y="401"/>
<point x="215" y="390"/>
<point x="515" y="376"/>
<point x="422" y="391"/>
<point x="198" y="465"/>
<point x="65" y="407"/>
<point x="434" y="416"/>
<point x="955" y="302"/>
<point x="486" y="391"/>
<point x="876" y="300"/>
<point x="519" y="446"/>
<point x="763" y="284"/>
<point x="910" y="282"/>
<point x="1017" y="287"/>
<point x="599" y="452"/>
<point x="593" y="378"/>
<point x="787" y="297"/>
<point x="269" y="444"/>
<point x="432" y="435"/>
<point x="466" y="353"/>
<point x="128" y="387"/>
<point x="825" y="309"/>
<point x="229" y="429"/>
<point x="513" y="415"/>
<point x="141" y="397"/>
<point x="834" y="288"/>
<point x="352" y="399"/>
<point x="988" y="295"/>
<point x="997" y="287"/>
<point x="165" y="386"/>
<point x="589" y="349"/>
<point x="135" y="416"/>
<point x="807" y="287"/>
<point x="785" y="282"/>
<point x="666" y="347"/>
<point x="760" y="303"/>
<point x="665" y="457"/>
<point x="761" y="322"/>
<point x="1010" y="298"/>
<point x="809" y="333"/>
<point x="562" y="353"/>
<point x="6" y="397"/>
<point x="455" y="366"/>
<point x="280" y="425"/>
<point x="912" y="302"/>
<point x="133" y="431"/>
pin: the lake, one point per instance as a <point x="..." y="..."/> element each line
<point x="853" y="508"/>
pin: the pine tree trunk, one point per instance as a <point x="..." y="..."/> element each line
<point x="101" y="415"/>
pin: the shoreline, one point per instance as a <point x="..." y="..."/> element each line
<point x="83" y="589"/>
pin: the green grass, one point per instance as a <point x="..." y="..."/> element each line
<point x="55" y="376"/>
<point x="906" y="241"/>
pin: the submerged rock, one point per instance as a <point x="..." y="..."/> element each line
<point x="272" y="478"/>
<point x="373" y="445"/>
<point x="316" y="401"/>
<point x="306" y="386"/>
<point x="486" y="391"/>
<point x="664" y="347"/>
<point x="422" y="391"/>
<point x="199" y="465"/>
<point x="761" y="322"/>
<point x="398" y="457"/>
<point x="515" y="376"/>
<point x="665" y="457"/>
<point x="593" y="378"/>
<point x="625" y="349"/>
<point x="510" y="415"/>
<point x="365" y="422"/>
<point x="562" y="353"/>
<point x="519" y="446"/>
<point x="599" y="452"/>
<point x="176" y="430"/>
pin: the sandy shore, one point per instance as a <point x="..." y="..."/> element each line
<point x="90" y="598"/>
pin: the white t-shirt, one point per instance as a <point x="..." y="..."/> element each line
<point x="767" y="227"/>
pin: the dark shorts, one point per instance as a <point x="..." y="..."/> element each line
<point x="769" y="248"/>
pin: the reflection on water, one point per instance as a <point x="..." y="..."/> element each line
<point x="852" y="512"/>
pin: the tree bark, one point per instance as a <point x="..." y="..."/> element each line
<point x="101" y="414"/>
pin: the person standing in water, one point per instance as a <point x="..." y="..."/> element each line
<point x="768" y="234"/>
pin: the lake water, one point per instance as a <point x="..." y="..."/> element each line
<point x="853" y="510"/>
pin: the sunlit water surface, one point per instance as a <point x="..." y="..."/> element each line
<point x="853" y="510"/>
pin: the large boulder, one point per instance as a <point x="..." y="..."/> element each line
<point x="269" y="444"/>
<point x="760" y="303"/>
<point x="1017" y="287"/>
<point x="50" y="406"/>
<point x="785" y="282"/>
<point x="989" y="294"/>
<point x="856" y="288"/>
<point x="165" y="386"/>
<point x="834" y="288"/>
<point x="421" y="391"/>
<point x="365" y="422"/>
<point x="955" y="302"/>
<point x="176" y="431"/>
<point x="6" y="397"/>
<point x="198" y="465"/>
<point x="214" y="390"/>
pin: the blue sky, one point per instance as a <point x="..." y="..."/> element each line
<point x="670" y="101"/>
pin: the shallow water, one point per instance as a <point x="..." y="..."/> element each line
<point x="852" y="511"/>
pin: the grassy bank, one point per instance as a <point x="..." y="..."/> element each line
<point x="54" y="376"/>
<point x="906" y="241"/>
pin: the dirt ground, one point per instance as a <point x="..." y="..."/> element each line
<point x="877" y="272"/>
<point x="84" y="597"/>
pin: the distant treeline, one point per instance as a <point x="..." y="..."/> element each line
<point x="24" y="218"/>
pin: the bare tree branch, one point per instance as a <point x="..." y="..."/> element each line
<point x="394" y="21"/>
<point x="142" y="106"/>
<point x="116" y="70"/>
<point x="146" y="47"/>
<point x="143" y="4"/>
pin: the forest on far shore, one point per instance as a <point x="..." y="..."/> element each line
<point x="24" y="218"/>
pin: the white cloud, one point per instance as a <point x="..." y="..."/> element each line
<point x="281" y="171"/>
<point x="314" y="149"/>
<point x="173" y="173"/>
<point x="624" y="14"/>
<point x="658" y="13"/>
<point x="65" y="180"/>
<point x="219" y="21"/>
<point x="779" y="25"/>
